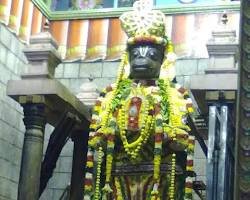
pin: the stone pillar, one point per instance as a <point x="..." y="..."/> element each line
<point x="43" y="59"/>
<point x="34" y="120"/>
<point x="78" y="166"/>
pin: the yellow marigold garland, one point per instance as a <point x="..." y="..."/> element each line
<point x="118" y="189"/>
<point x="157" y="155"/>
<point x="109" y="157"/>
<point x="171" y="124"/>
<point x="189" y="167"/>
<point x="172" y="178"/>
<point x="98" y="175"/>
<point x="133" y="148"/>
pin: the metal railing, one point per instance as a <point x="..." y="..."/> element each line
<point x="220" y="160"/>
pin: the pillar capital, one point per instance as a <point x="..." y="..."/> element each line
<point x="34" y="116"/>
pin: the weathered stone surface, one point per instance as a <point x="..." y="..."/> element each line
<point x="47" y="194"/>
<point x="200" y="167"/>
<point x="198" y="153"/>
<point x="11" y="125"/>
<point x="75" y="84"/>
<point x="103" y="82"/>
<point x="20" y="53"/>
<point x="68" y="149"/>
<point x="59" y="180"/>
<point x="88" y="93"/>
<point x="10" y="134"/>
<point x="48" y="130"/>
<point x="65" y="82"/>
<point x="9" y="115"/>
<point x="214" y="82"/>
<point x="8" y="151"/>
<point x="186" y="81"/>
<point x="11" y="61"/>
<point x="71" y="70"/>
<point x="8" y="189"/>
<point x="203" y="64"/>
<point x="186" y="67"/>
<point x="15" y="171"/>
<point x="14" y="45"/>
<point x="6" y="168"/>
<point x="91" y="69"/>
<point x="65" y="164"/>
<point x="180" y="79"/>
<point x="57" y="193"/>
<point x="59" y="71"/>
<point x="5" y="36"/>
<point x="21" y="67"/>
<point x="222" y="61"/>
<point x="5" y="74"/>
<point x="3" y="54"/>
<point x="18" y="140"/>
<point x="110" y="69"/>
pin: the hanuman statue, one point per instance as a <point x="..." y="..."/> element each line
<point x="139" y="147"/>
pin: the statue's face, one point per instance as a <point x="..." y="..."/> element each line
<point x="145" y="61"/>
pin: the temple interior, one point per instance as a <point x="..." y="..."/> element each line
<point x="124" y="99"/>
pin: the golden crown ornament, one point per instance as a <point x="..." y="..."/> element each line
<point x="144" y="24"/>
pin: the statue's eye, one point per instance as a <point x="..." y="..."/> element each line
<point x="135" y="53"/>
<point x="153" y="54"/>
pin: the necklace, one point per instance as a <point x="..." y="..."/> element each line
<point x="134" y="114"/>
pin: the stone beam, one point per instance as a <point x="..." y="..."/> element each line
<point x="58" y="98"/>
<point x="214" y="82"/>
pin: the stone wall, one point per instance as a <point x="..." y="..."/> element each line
<point x="72" y="75"/>
<point x="12" y="63"/>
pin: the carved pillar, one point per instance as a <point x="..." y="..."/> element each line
<point x="242" y="164"/>
<point x="80" y="140"/>
<point x="34" y="120"/>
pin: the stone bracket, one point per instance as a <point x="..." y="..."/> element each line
<point x="57" y="140"/>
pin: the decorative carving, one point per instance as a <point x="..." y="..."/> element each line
<point x="242" y="183"/>
<point x="34" y="116"/>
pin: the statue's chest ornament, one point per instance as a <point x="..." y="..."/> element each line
<point x="136" y="117"/>
<point x="134" y="113"/>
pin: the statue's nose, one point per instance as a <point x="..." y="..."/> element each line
<point x="141" y="56"/>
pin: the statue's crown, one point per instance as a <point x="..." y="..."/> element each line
<point x="144" y="24"/>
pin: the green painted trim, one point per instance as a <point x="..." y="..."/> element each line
<point x="116" y="12"/>
<point x="43" y="7"/>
